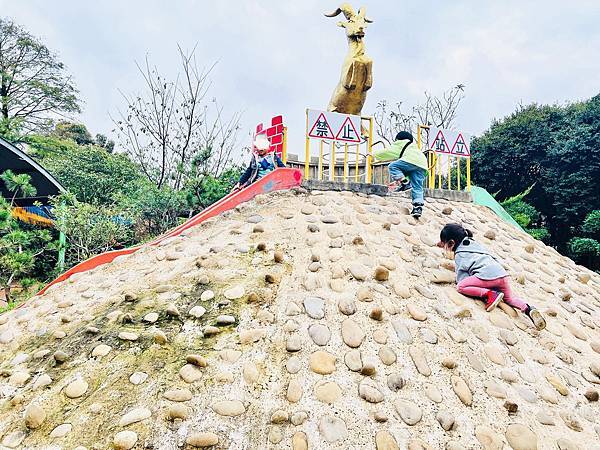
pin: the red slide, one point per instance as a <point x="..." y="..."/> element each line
<point x="277" y="180"/>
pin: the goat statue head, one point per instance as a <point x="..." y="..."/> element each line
<point x="356" y="23"/>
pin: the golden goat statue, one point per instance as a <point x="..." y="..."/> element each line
<point x="357" y="76"/>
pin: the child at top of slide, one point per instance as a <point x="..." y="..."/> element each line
<point x="263" y="161"/>
<point x="480" y="275"/>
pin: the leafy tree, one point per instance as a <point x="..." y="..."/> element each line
<point x="34" y="86"/>
<point x="76" y="131"/>
<point x="20" y="244"/>
<point x="91" y="173"/>
<point x="555" y="147"/>
<point x="104" y="142"/>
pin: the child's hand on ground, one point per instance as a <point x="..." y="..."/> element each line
<point x="448" y="265"/>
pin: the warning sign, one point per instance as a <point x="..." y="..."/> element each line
<point x="460" y="147"/>
<point x="333" y="126"/>
<point x="439" y="144"/>
<point x="347" y="132"/>
<point x="321" y="128"/>
<point x="439" y="139"/>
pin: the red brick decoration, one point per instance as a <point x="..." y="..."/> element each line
<point x="274" y="134"/>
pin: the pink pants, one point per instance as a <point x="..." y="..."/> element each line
<point x="476" y="287"/>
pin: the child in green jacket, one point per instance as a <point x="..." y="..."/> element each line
<point x="408" y="171"/>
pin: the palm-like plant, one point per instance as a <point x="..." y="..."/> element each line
<point x="18" y="184"/>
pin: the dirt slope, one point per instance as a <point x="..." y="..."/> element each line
<point x="265" y="328"/>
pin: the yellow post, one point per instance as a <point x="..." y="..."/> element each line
<point x="369" y="151"/>
<point x="449" y="173"/>
<point x="320" y="160"/>
<point x="284" y="149"/>
<point x="469" y="174"/>
<point x="439" y="170"/>
<point x="306" y="151"/>
<point x="332" y="162"/>
<point x="356" y="163"/>
<point x="345" y="163"/>
<point x="436" y="162"/>
<point x="428" y="170"/>
<point x="419" y="136"/>
<point x="458" y="171"/>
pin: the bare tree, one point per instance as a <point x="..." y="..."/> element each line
<point x="171" y="130"/>
<point x="34" y="86"/>
<point x="435" y="111"/>
<point x="389" y="122"/>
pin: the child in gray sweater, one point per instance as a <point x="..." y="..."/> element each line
<point x="480" y="275"/>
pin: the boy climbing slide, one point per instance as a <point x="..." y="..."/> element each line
<point x="409" y="170"/>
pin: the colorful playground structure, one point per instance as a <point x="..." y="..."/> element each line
<point x="351" y="160"/>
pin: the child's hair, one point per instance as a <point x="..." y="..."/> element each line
<point x="454" y="232"/>
<point x="404" y="136"/>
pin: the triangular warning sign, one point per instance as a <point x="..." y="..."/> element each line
<point x="460" y="147"/>
<point x="321" y="128"/>
<point x="347" y="132"/>
<point x="439" y="144"/>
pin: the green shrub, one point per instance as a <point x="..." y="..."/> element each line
<point x="153" y="210"/>
<point x="541" y="234"/>
<point x="203" y="191"/>
<point x="580" y="247"/>
<point x="585" y="251"/>
<point x="591" y="224"/>
<point x="90" y="229"/>
<point x="523" y="213"/>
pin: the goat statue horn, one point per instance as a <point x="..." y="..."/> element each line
<point x="335" y="13"/>
<point x="362" y="12"/>
<point x="345" y="8"/>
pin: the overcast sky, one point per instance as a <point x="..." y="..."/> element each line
<point x="279" y="57"/>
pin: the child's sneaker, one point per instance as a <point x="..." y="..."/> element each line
<point x="404" y="185"/>
<point x="417" y="210"/>
<point x="536" y="317"/>
<point x="393" y="185"/>
<point x="493" y="298"/>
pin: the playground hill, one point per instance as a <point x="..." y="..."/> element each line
<point x="319" y="320"/>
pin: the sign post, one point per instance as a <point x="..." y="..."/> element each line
<point x="337" y="130"/>
<point x="333" y="126"/>
<point x="449" y="142"/>
<point x="452" y="144"/>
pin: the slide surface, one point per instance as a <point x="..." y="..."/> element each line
<point x="484" y="198"/>
<point x="277" y="180"/>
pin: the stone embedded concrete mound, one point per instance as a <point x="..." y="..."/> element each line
<point x="322" y="321"/>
